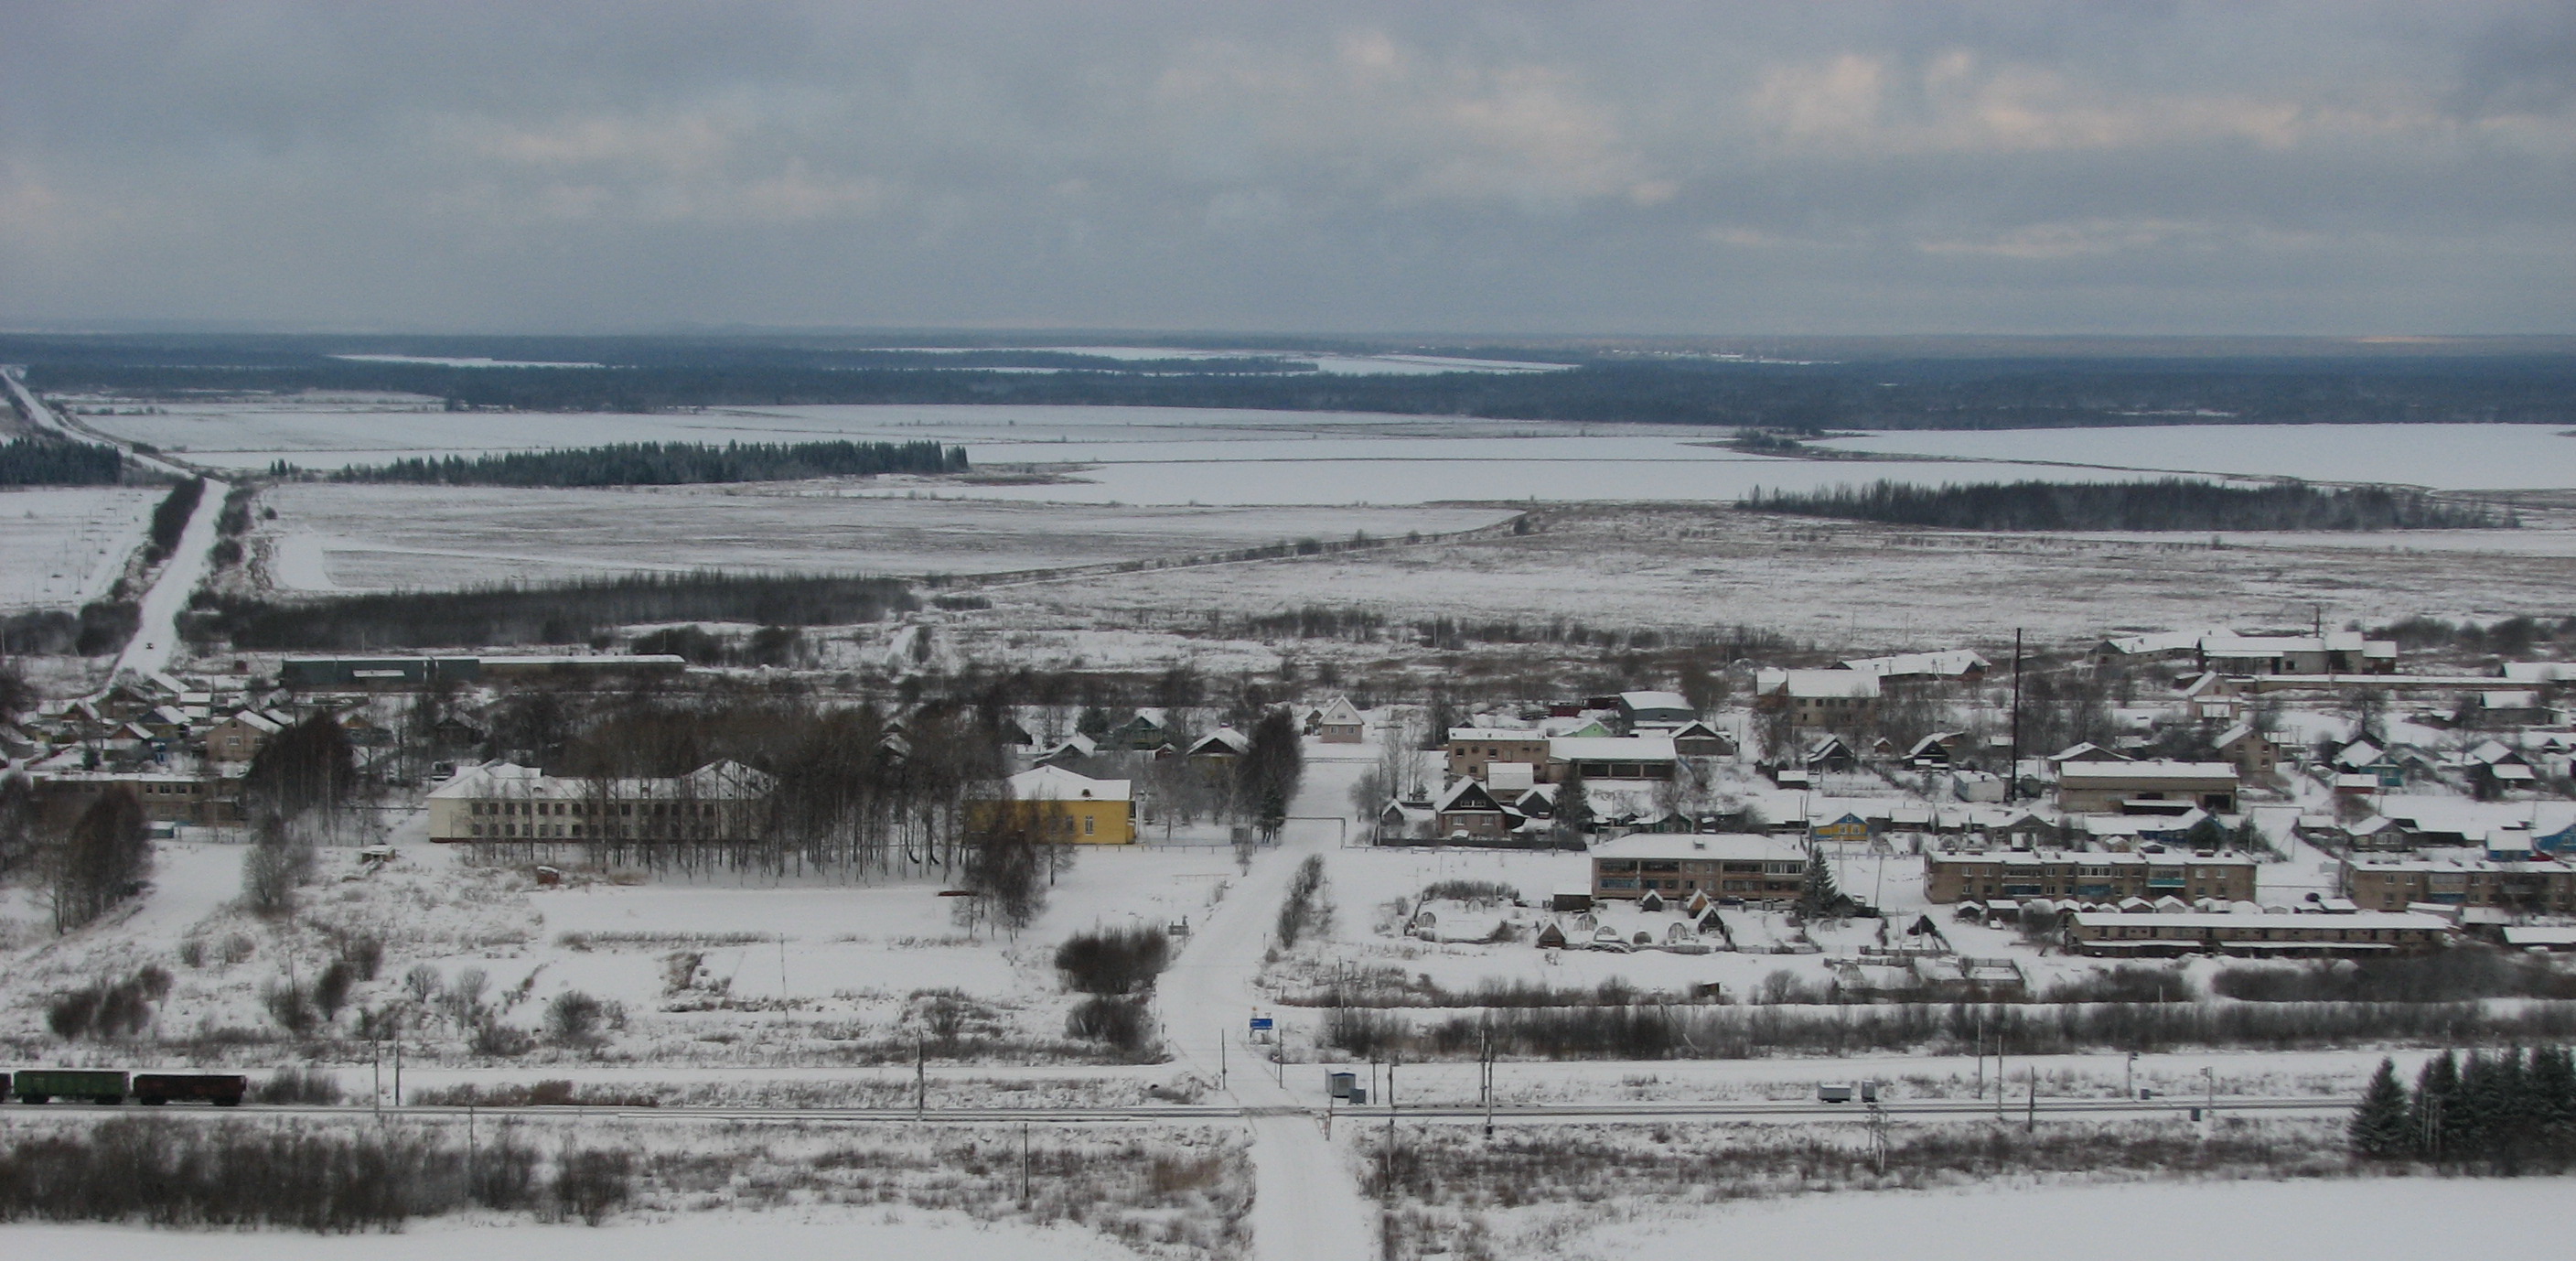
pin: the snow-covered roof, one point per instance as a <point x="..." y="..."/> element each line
<point x="1948" y="664"/>
<point x="716" y="781"/>
<point x="1458" y="734"/>
<point x="2363" y="920"/>
<point x="1221" y="740"/>
<point x="1338" y="712"/>
<point x="1611" y="748"/>
<point x="2159" y="771"/>
<point x="1817" y="684"/>
<point x="1739" y="846"/>
<point x="2540" y="671"/>
<point x="1636" y="701"/>
<point x="1054" y="783"/>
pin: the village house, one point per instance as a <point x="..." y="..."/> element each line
<point x="1840" y="699"/>
<point x="2254" y="754"/>
<point x="1638" y="709"/>
<point x="511" y="804"/>
<point x="2146" y="787"/>
<point x="2088" y="875"/>
<point x="240" y="737"/>
<point x="2335" y="652"/>
<point x="1474" y="749"/>
<point x="1724" y="865"/>
<point x="1648" y="758"/>
<point x="1698" y="739"/>
<point x="2272" y="935"/>
<point x="1466" y="811"/>
<point x="1339" y="722"/>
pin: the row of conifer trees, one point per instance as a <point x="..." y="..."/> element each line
<point x="2506" y="1112"/>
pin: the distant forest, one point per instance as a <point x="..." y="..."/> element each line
<point x="567" y="613"/>
<point x="671" y="464"/>
<point x="54" y="462"/>
<point x="1997" y="392"/>
<point x="2169" y="504"/>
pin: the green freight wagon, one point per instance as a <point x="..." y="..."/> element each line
<point x="37" y="1085"/>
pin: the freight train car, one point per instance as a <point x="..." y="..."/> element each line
<point x="37" y="1085"/>
<point x="224" y="1090"/>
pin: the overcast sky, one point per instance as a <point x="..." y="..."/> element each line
<point x="2134" y="167"/>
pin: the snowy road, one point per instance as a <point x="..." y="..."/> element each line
<point x="149" y="651"/>
<point x="1306" y="1205"/>
<point x="158" y="636"/>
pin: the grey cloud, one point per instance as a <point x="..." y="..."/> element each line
<point x="1436" y="167"/>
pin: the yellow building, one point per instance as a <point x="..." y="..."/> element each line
<point x="1095" y="811"/>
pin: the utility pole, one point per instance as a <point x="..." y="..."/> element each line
<point x="2030" y="1119"/>
<point x="1220" y="1059"/>
<point x="1981" y="1052"/>
<point x="920" y="1079"/>
<point x="1024" y="1162"/>
<point x="1488" y="1083"/>
<point x="398" y="1075"/>
<point x="2130" y="1090"/>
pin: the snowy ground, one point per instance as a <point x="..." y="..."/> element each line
<point x="349" y="537"/>
<point x="1123" y="455"/>
<point x="64" y="546"/>
<point x="1860" y="586"/>
<point x="2495" y="1220"/>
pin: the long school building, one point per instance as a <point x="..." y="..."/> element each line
<point x="502" y="804"/>
<point x="2091" y="875"/>
<point x="1722" y="865"/>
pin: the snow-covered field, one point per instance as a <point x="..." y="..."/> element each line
<point x="1121" y="455"/>
<point x="1867" y="587"/>
<point x="2444" y="457"/>
<point x="351" y="537"/>
<point x="2494" y="1220"/>
<point x="63" y="546"/>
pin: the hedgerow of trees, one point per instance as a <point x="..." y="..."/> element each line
<point x="567" y="613"/>
<point x="671" y="464"/>
<point x="170" y="519"/>
<point x="2166" y="504"/>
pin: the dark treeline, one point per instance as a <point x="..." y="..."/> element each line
<point x="170" y="518"/>
<point x="568" y="613"/>
<point x="101" y="627"/>
<point x="54" y="462"/>
<point x="2165" y="504"/>
<point x="2504" y="1112"/>
<point x="671" y="464"/>
<point x="1663" y="1032"/>
<point x="2505" y="637"/>
<point x="245" y="1175"/>
<point x="1871" y="391"/>
<point x="1361" y="625"/>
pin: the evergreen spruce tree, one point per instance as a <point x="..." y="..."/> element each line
<point x="2552" y="1079"/>
<point x="2433" y="1112"/>
<point x="1573" y="809"/>
<point x="1820" y="897"/>
<point x="2379" y="1125"/>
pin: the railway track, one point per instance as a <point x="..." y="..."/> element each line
<point x="1631" y="1112"/>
